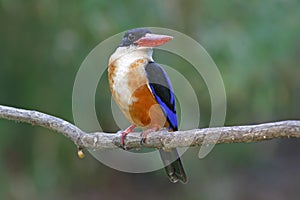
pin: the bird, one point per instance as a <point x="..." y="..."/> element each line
<point x="143" y="92"/>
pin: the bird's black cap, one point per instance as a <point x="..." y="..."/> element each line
<point x="131" y="36"/>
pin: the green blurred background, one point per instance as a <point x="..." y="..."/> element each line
<point x="255" y="44"/>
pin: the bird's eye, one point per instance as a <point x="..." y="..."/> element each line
<point x="130" y="37"/>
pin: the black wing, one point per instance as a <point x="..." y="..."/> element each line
<point x="162" y="90"/>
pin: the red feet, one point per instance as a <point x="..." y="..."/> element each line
<point x="126" y="132"/>
<point x="146" y="132"/>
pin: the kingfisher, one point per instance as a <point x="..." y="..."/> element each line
<point x="143" y="92"/>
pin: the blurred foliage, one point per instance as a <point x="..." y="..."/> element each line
<point x="255" y="44"/>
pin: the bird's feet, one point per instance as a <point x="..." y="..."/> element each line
<point x="147" y="131"/>
<point x="124" y="133"/>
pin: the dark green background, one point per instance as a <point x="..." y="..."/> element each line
<point x="255" y="44"/>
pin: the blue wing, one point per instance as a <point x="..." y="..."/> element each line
<point x="162" y="90"/>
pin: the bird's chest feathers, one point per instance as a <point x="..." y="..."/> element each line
<point x="126" y="75"/>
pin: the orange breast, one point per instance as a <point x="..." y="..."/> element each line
<point x="130" y="90"/>
<point x="145" y="112"/>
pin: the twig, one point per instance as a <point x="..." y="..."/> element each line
<point x="194" y="137"/>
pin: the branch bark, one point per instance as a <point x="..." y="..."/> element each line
<point x="160" y="139"/>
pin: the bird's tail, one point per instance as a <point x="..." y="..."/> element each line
<point x="173" y="166"/>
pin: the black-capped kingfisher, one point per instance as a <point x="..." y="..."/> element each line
<point x="143" y="92"/>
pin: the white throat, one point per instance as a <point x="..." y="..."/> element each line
<point x="126" y="55"/>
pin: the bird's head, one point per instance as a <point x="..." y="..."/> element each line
<point x="139" y="40"/>
<point x="143" y="38"/>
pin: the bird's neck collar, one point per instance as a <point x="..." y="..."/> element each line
<point x="131" y="53"/>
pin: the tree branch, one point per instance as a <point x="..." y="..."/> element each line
<point x="160" y="139"/>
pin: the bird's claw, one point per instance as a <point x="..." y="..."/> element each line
<point x="144" y="137"/>
<point x="146" y="132"/>
<point x="122" y="140"/>
<point x="143" y="140"/>
<point x="123" y="135"/>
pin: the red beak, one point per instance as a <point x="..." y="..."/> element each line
<point x="153" y="40"/>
